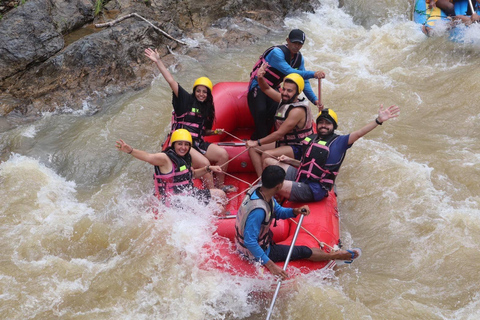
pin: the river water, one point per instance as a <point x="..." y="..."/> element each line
<point x="76" y="229"/>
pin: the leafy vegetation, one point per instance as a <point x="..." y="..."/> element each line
<point x="98" y="6"/>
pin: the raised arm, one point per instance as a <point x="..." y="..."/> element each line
<point x="156" y="159"/>
<point x="383" y="115"/>
<point x="155" y="57"/>
<point x="269" y="91"/>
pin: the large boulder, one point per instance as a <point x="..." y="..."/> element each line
<point x="39" y="71"/>
<point x="27" y="37"/>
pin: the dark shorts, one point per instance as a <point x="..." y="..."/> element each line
<point x="297" y="152"/>
<point x="279" y="252"/>
<point x="202" y="195"/>
<point x="301" y="192"/>
<point x="201" y="146"/>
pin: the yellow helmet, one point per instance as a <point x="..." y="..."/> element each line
<point x="203" y="81"/>
<point x="181" y="135"/>
<point x="330" y="115"/>
<point x="297" y="79"/>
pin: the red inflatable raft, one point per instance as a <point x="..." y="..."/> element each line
<point x="320" y="227"/>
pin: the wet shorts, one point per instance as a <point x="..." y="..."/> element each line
<point x="203" y="195"/>
<point x="301" y="192"/>
<point x="297" y="152"/>
<point x="279" y="252"/>
<point x="201" y="146"/>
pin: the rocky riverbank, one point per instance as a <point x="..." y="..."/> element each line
<point x="52" y="56"/>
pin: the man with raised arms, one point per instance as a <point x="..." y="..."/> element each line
<point x="311" y="178"/>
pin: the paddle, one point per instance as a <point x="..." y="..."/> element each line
<point x="320" y="91"/>
<point x="286" y="264"/>
<point x="471" y="6"/>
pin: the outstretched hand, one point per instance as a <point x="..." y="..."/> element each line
<point x="122" y="146"/>
<point x="152" y="55"/>
<point x="390" y="112"/>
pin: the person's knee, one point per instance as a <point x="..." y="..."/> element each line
<point x="223" y="156"/>
<point x="269" y="161"/>
<point x="202" y="162"/>
<point x="219" y="194"/>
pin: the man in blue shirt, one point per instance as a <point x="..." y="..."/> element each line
<point x="311" y="178"/>
<point x="257" y="212"/>
<point x="282" y="60"/>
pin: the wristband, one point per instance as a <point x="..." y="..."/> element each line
<point x="378" y="122"/>
<point x="259" y="144"/>
<point x="130" y="151"/>
<point x="207" y="168"/>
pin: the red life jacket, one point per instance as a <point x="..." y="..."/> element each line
<point x="313" y="165"/>
<point x="179" y="181"/>
<point x="274" y="76"/>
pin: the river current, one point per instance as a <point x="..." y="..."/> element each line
<point x="76" y="229"/>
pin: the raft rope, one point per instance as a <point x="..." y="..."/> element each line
<point x="320" y="243"/>
<point x="261" y="151"/>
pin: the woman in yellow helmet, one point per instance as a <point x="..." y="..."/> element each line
<point x="173" y="173"/>
<point x="195" y="112"/>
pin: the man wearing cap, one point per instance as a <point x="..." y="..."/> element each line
<point x="311" y="178"/>
<point x="281" y="60"/>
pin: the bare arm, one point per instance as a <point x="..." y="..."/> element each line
<point x="155" y="57"/>
<point x="269" y="91"/>
<point x="276" y="270"/>
<point x="288" y="160"/>
<point x="197" y="173"/>
<point x="294" y="118"/>
<point x="383" y="115"/>
<point x="156" y="159"/>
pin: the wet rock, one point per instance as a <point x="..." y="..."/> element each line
<point x="27" y="37"/>
<point x="37" y="73"/>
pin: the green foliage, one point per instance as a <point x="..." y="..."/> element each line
<point x="98" y="6"/>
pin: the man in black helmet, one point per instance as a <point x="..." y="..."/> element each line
<point x="282" y="60"/>
<point x="311" y="178"/>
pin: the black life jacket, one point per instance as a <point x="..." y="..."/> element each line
<point x="192" y="121"/>
<point x="274" y="76"/>
<point x="313" y="165"/>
